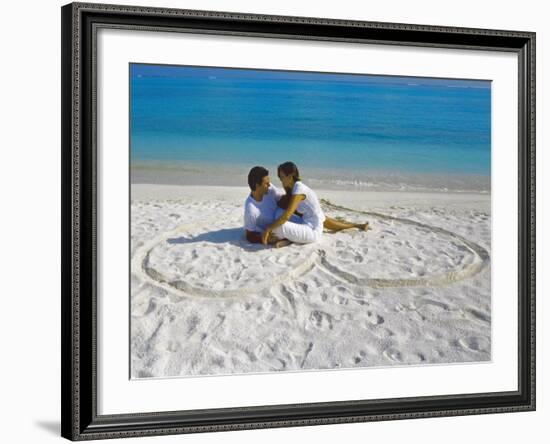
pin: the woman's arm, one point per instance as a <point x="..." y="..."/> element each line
<point x="283" y="203"/>
<point x="295" y="200"/>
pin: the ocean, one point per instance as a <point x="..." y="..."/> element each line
<point x="209" y="126"/>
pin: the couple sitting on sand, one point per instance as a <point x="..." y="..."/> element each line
<point x="278" y="217"/>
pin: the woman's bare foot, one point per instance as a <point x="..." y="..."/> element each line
<point x="281" y="243"/>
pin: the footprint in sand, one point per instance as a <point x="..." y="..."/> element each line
<point x="360" y="357"/>
<point x="474" y="343"/>
<point x="431" y="304"/>
<point x="143" y="308"/>
<point x="320" y="320"/>
<point x="340" y="300"/>
<point x="246" y="306"/>
<point x="192" y="324"/>
<point x="393" y="355"/>
<point x="478" y="315"/>
<point x="384" y="333"/>
<point x="374" y="319"/>
<point x="218" y="361"/>
<point x="360" y="301"/>
<point x="421" y="357"/>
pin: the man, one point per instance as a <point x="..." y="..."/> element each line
<point x="260" y="207"/>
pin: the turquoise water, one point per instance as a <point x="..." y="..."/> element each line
<point x="188" y="124"/>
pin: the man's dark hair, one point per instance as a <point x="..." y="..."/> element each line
<point x="255" y="176"/>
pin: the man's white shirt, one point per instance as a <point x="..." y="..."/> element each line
<point x="259" y="215"/>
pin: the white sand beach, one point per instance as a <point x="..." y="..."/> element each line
<point x="413" y="290"/>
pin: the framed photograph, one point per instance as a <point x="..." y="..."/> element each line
<point x="274" y="221"/>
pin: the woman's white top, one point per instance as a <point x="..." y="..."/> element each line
<point x="311" y="210"/>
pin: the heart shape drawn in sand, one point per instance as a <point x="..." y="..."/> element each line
<point x="214" y="260"/>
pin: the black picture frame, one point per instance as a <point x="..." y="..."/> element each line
<point x="80" y="420"/>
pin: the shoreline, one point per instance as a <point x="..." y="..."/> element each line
<point x="333" y="178"/>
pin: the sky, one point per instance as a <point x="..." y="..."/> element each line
<point x="173" y="71"/>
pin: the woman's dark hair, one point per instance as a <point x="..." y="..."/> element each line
<point x="255" y="176"/>
<point x="289" y="169"/>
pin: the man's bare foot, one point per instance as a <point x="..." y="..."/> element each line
<point x="364" y="226"/>
<point x="281" y="243"/>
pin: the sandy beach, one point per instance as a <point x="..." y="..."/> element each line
<point x="413" y="290"/>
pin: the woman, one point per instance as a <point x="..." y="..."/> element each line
<point x="304" y="201"/>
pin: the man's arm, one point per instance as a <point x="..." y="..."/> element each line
<point x="252" y="232"/>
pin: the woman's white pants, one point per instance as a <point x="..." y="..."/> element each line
<point x="296" y="230"/>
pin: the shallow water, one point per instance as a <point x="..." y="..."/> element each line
<point x="359" y="131"/>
